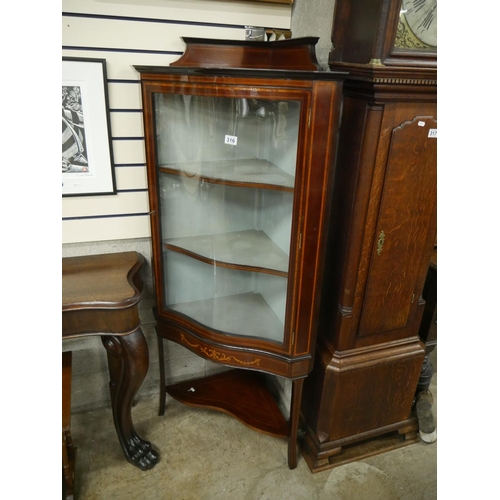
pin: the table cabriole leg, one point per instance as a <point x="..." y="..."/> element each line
<point x="128" y="361"/>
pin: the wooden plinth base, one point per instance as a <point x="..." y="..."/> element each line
<point x="241" y="393"/>
<point x="325" y="456"/>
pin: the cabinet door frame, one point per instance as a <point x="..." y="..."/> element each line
<point x="204" y="86"/>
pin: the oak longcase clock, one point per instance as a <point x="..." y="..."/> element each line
<point x="358" y="400"/>
<point x="240" y="144"/>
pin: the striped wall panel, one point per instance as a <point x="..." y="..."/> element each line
<point x="127" y="34"/>
<point x="119" y="64"/>
<point x="193" y="11"/>
<point x="136" y="35"/>
<point x="109" y="228"/>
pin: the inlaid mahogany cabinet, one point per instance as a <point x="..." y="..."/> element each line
<point x="241" y="139"/>
<point x="358" y="398"/>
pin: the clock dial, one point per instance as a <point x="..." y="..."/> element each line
<point x="421" y="18"/>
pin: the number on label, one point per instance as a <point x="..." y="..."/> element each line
<point x="231" y="139"/>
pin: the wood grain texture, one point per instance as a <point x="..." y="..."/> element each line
<point x="404" y="218"/>
<point x="101" y="280"/>
<point x="358" y="398"/>
<point x="240" y="393"/>
<point x="100" y="294"/>
<point x="293" y="54"/>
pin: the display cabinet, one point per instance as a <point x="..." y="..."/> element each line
<point x="241" y="139"/>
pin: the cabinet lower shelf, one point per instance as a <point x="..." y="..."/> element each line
<point x="240" y="393"/>
<point x="246" y="315"/>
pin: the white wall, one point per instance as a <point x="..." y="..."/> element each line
<point x="127" y="33"/>
<point x="135" y="32"/>
<point x="315" y="18"/>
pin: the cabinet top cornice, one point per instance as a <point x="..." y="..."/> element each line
<point x="290" y="58"/>
<point x="296" y="54"/>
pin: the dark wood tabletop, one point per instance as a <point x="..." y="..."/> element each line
<point x="100" y="294"/>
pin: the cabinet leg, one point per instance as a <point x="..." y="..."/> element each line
<point x="128" y="360"/>
<point x="162" y="375"/>
<point x="294" y="422"/>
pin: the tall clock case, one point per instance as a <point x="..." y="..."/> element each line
<point x="239" y="162"/>
<point x="359" y="397"/>
<point x="389" y="32"/>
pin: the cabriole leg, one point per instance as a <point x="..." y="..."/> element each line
<point x="128" y="360"/>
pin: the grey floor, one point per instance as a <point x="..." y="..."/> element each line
<point x="208" y="455"/>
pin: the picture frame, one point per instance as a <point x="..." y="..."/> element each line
<point x="289" y="2"/>
<point x="87" y="151"/>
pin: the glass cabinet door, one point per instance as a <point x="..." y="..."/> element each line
<point x="226" y="172"/>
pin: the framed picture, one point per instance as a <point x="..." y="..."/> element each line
<point x="273" y="1"/>
<point x="87" y="153"/>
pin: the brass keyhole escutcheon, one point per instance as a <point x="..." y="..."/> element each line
<point x="380" y="244"/>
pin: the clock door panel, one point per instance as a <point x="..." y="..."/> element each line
<point x="405" y="218"/>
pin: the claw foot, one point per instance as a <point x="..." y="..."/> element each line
<point x="141" y="454"/>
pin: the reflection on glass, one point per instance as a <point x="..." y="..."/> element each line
<point x="417" y="26"/>
<point x="227" y="177"/>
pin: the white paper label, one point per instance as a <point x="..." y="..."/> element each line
<point x="433" y="132"/>
<point x="231" y="139"/>
<point x="421" y="124"/>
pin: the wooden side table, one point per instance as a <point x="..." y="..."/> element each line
<point x="100" y="296"/>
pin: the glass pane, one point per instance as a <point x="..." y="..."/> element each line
<point x="226" y="178"/>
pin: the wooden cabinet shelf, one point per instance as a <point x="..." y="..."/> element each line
<point x="246" y="314"/>
<point x="247" y="172"/>
<point x="250" y="250"/>
<point x="250" y="402"/>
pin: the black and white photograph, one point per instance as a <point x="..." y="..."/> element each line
<point x="74" y="149"/>
<point x="87" y="155"/>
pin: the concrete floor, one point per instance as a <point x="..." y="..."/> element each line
<point x="208" y="455"/>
